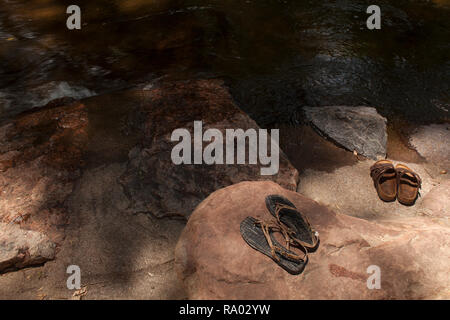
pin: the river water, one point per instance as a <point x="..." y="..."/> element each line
<point x="276" y="56"/>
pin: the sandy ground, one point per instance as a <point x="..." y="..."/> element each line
<point x="131" y="256"/>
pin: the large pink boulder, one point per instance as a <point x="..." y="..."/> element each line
<point x="214" y="262"/>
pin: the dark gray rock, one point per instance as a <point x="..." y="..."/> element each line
<point x="359" y="129"/>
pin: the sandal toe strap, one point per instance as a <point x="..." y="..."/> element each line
<point x="378" y="169"/>
<point x="267" y="228"/>
<point x="401" y="172"/>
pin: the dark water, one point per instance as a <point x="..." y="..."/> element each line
<point x="276" y="56"/>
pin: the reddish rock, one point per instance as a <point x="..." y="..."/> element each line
<point x="19" y="248"/>
<point x="436" y="202"/>
<point x="40" y="160"/>
<point x="214" y="262"/>
<point x="40" y="157"/>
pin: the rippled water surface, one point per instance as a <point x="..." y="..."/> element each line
<point x="276" y="56"/>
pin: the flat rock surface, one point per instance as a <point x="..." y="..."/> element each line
<point x="359" y="129"/>
<point x="432" y="142"/>
<point x="214" y="261"/>
<point x="437" y="202"/>
<point x="350" y="190"/>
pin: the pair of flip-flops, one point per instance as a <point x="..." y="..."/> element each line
<point x="292" y="225"/>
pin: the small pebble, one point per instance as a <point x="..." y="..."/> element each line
<point x="444" y="172"/>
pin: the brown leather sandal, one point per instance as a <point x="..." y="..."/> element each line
<point x="384" y="178"/>
<point x="408" y="183"/>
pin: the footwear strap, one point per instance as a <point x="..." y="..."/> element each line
<point x="268" y="227"/>
<point x="278" y="208"/>
<point x="379" y="169"/>
<point x="401" y="172"/>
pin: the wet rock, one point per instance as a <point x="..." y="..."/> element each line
<point x="214" y="262"/>
<point x="153" y="182"/>
<point x="20" y="248"/>
<point x="48" y="94"/>
<point x="359" y="129"/>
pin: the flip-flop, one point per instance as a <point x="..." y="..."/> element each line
<point x="384" y="177"/>
<point x="260" y="236"/>
<point x="408" y="183"/>
<point x="286" y="213"/>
